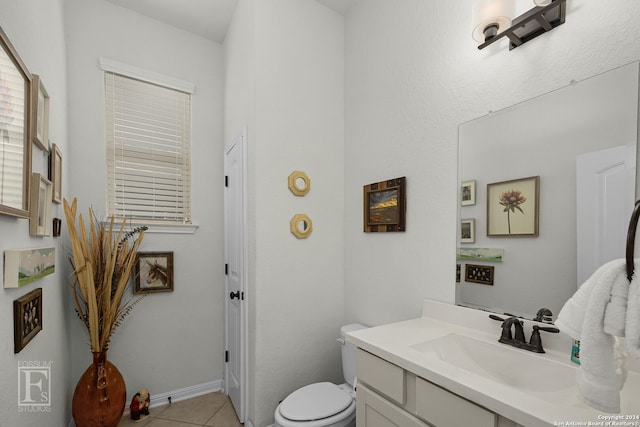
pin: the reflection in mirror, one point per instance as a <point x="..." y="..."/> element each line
<point x="14" y="142"/>
<point x="581" y="141"/>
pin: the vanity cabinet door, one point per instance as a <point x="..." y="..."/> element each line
<point x="445" y="409"/>
<point x="384" y="377"/>
<point x="373" y="410"/>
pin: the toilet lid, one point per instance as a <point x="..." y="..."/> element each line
<point x="314" y="402"/>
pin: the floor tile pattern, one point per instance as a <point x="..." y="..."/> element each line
<point x="210" y="410"/>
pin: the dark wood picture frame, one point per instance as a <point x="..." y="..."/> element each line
<point x="507" y="216"/>
<point x="27" y="318"/>
<point x="385" y="205"/>
<point x="153" y="272"/>
<point x="15" y="90"/>
<point x="482" y="274"/>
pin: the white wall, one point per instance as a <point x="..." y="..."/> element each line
<point x="36" y="30"/>
<point x="295" y="62"/>
<point x="170" y="340"/>
<point x="413" y="74"/>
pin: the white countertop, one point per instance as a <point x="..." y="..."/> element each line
<point x="393" y="342"/>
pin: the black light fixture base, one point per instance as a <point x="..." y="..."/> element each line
<point x="531" y="24"/>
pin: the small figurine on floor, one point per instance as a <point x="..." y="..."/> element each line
<point x="140" y="404"/>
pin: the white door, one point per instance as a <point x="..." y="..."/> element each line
<point x="605" y="201"/>
<point x="235" y="273"/>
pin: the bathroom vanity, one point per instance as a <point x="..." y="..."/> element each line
<point x="447" y="369"/>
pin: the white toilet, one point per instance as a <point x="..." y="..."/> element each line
<point x="324" y="404"/>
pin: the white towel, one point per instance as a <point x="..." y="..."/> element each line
<point x="632" y="324"/>
<point x="571" y="316"/>
<point x="615" y="313"/>
<point x="598" y="382"/>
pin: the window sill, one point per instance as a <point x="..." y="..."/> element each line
<point x="159" y="228"/>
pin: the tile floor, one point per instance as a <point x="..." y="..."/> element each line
<point x="213" y="409"/>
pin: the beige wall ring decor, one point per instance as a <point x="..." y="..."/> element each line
<point x="301" y="226"/>
<point x="299" y="183"/>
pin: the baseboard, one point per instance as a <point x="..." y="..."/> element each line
<point x="184" y="393"/>
<point x="162" y="399"/>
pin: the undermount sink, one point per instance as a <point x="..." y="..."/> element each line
<point x="502" y="364"/>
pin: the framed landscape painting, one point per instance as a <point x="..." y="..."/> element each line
<point x="385" y="206"/>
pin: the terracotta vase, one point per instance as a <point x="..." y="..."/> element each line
<point x="100" y="395"/>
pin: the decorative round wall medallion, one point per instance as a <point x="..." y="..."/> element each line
<point x="301" y="226"/>
<point x="299" y="183"/>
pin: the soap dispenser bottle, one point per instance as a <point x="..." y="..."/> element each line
<point x="575" y="352"/>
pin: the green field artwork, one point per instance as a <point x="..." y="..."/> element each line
<point x="23" y="266"/>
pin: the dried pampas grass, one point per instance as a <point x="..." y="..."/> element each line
<point x="102" y="265"/>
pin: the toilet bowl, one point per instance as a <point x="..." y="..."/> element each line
<point x="324" y="404"/>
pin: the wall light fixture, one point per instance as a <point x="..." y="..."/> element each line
<point x="494" y="22"/>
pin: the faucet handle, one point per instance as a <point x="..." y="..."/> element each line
<point x="506" y="336"/>
<point x="535" y="343"/>
<point x="544" y="315"/>
<point x="546" y="329"/>
<point x="498" y="318"/>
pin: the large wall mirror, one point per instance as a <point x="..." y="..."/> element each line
<point x="581" y="142"/>
<point x="15" y="144"/>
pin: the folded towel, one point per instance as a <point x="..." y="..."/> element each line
<point x="632" y="324"/>
<point x="598" y="382"/>
<point x="615" y="312"/>
<point x="620" y="359"/>
<point x="571" y="316"/>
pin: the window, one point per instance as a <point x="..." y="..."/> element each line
<point x="148" y="133"/>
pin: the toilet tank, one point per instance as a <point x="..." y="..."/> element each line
<point x="349" y="352"/>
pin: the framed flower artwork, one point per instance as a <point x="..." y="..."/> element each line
<point x="513" y="208"/>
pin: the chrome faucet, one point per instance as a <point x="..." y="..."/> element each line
<point x="518" y="340"/>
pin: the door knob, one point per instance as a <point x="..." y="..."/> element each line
<point x="235" y="294"/>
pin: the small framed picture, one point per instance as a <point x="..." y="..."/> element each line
<point x="385" y="206"/>
<point x="468" y="230"/>
<point x="153" y="272"/>
<point x="55" y="173"/>
<point x="512" y="208"/>
<point x="457" y="273"/>
<point x="27" y="318"/>
<point x="39" y="114"/>
<point x="40" y="208"/>
<point x="468" y="193"/>
<point x="478" y="274"/>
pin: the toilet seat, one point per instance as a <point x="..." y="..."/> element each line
<point x="319" y="399"/>
<point x="315" y="402"/>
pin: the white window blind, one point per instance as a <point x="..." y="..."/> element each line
<point x="148" y="132"/>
